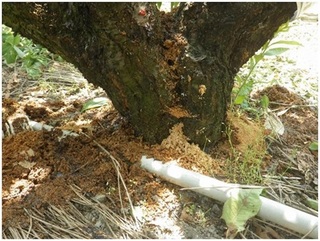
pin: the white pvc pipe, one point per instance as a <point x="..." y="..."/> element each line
<point x="39" y="126"/>
<point x="270" y="210"/>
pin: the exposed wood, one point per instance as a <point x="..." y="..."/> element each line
<point x="158" y="69"/>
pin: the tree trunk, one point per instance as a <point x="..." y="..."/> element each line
<point x="158" y="68"/>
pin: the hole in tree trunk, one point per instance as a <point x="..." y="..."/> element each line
<point x="170" y="62"/>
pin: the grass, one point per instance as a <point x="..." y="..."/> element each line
<point x="196" y="213"/>
<point x="244" y="165"/>
<point x="244" y="168"/>
<point x="247" y="149"/>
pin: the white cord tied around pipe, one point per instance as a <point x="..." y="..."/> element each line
<point x="270" y="210"/>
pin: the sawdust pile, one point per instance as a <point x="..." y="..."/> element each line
<point x="190" y="155"/>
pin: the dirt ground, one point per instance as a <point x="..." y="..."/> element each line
<point x="47" y="179"/>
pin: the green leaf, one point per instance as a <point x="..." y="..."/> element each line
<point x="33" y="72"/>
<point x="16" y="40"/>
<point x="94" y="103"/>
<point x="275" y="51"/>
<point x="313" y="146"/>
<point x="174" y="4"/>
<point x="239" y="208"/>
<point x="265" y="46"/>
<point x="251" y="63"/>
<point x="283" y="28"/>
<point x="238" y="78"/>
<point x="159" y="5"/>
<point x="13" y="40"/>
<point x="10" y="40"/>
<point x="286" y="42"/>
<point x="239" y="100"/>
<point x="258" y="57"/>
<point x="311" y="203"/>
<point x="9" y="53"/>
<point x="264" y="102"/>
<point x="254" y="60"/>
<point x="19" y="51"/>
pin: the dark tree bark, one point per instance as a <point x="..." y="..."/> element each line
<point x="158" y="69"/>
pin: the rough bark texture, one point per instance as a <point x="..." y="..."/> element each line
<point x="158" y="69"/>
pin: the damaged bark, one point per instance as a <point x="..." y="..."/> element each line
<point x="159" y="69"/>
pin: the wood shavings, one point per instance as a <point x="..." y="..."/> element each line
<point x="191" y="156"/>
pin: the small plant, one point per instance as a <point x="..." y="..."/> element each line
<point x="94" y="103"/>
<point x="244" y="163"/>
<point x="20" y="50"/>
<point x="198" y="215"/>
<point x="250" y="166"/>
<point x="244" y="168"/>
<point x="313" y="146"/>
<point x="244" y="84"/>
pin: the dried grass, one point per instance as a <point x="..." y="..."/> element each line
<point x="82" y="218"/>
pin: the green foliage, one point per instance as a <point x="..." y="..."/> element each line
<point x="311" y="203"/>
<point x="264" y="103"/>
<point x="172" y="5"/>
<point x="247" y="169"/>
<point x="313" y="146"/>
<point x="20" y="50"/>
<point x="242" y="206"/>
<point x="159" y="5"/>
<point x="94" y="103"/>
<point x="10" y="50"/>
<point x="244" y="84"/>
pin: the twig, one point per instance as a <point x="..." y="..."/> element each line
<point x="304" y="236"/>
<point x="82" y="166"/>
<point x="110" y="216"/>
<point x="287" y="156"/>
<point x="117" y="165"/>
<point x="291" y="105"/>
<point x="227" y="186"/>
<point x="75" y="234"/>
<point x="276" y="226"/>
<point x="282" y="177"/>
<point x="30" y="228"/>
<point x="242" y="236"/>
